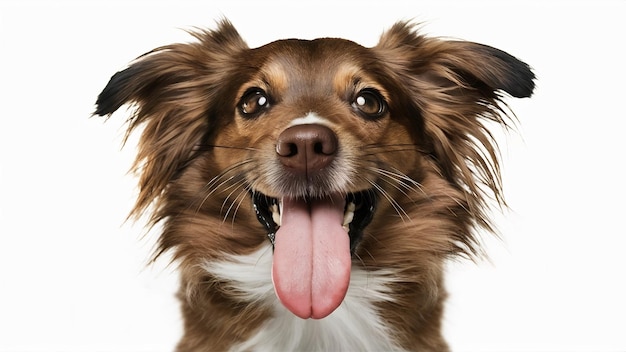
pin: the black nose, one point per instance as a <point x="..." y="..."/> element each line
<point x="306" y="149"/>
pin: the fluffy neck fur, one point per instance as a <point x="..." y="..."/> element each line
<point x="355" y="325"/>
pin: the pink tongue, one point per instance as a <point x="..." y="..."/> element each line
<point x="311" y="268"/>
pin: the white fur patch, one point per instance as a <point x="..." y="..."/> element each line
<point x="310" y="119"/>
<point x="354" y="326"/>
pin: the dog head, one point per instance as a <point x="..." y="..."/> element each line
<point x="326" y="146"/>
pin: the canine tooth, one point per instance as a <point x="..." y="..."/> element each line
<point x="349" y="214"/>
<point x="280" y="213"/>
<point x="275" y="214"/>
<point x="347" y="218"/>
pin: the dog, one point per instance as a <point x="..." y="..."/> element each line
<point x="311" y="191"/>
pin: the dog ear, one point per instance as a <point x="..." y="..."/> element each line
<point x="173" y="90"/>
<point x="467" y="63"/>
<point x="164" y="67"/>
<point x="481" y="64"/>
<point x="457" y="87"/>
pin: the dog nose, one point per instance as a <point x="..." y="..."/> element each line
<point x="306" y="149"/>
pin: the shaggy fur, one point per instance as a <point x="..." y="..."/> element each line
<point x="428" y="159"/>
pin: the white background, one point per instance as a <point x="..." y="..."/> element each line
<point x="73" y="274"/>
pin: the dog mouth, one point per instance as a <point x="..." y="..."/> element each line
<point x="358" y="212"/>
<point x="314" y="240"/>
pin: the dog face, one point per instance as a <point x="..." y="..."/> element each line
<point x="327" y="100"/>
<point x="334" y="154"/>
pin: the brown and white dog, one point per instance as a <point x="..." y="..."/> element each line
<point x="311" y="191"/>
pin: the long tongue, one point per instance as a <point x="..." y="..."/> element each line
<point x="311" y="267"/>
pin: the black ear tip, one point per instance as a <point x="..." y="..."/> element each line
<point x="101" y="107"/>
<point x="106" y="103"/>
<point x="116" y="93"/>
<point x="522" y="84"/>
<point x="519" y="82"/>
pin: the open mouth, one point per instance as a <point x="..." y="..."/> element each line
<point x="314" y="240"/>
<point x="357" y="214"/>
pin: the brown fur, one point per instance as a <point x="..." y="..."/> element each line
<point x="432" y="159"/>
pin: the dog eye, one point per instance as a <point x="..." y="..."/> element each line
<point x="370" y="103"/>
<point x="253" y="102"/>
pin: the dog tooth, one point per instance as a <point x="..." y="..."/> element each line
<point x="349" y="215"/>
<point x="275" y="214"/>
<point x="279" y="205"/>
<point x="347" y="218"/>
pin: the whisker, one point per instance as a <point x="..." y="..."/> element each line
<point x="213" y="186"/>
<point x="402" y="179"/>
<point x="392" y="148"/>
<point x="205" y="147"/>
<point x="241" y="196"/>
<point x="406" y="178"/>
<point x="358" y="257"/>
<point x="389" y="179"/>
<point x="391" y="201"/>
<point x="393" y="179"/>
<point x="226" y="171"/>
<point x="234" y="187"/>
